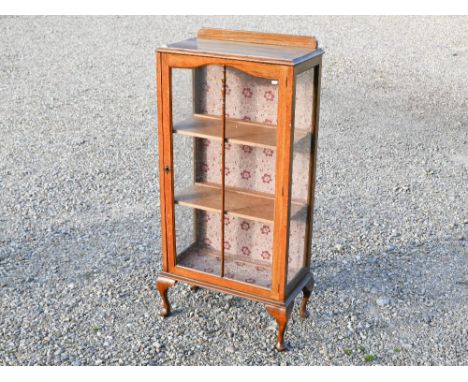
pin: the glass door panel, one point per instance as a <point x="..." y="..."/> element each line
<point x="224" y="146"/>
<point x="251" y="109"/>
<point x="197" y="178"/>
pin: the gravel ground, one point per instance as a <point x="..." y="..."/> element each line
<point x="80" y="241"/>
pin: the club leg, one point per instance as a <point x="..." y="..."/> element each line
<point x="281" y="315"/>
<point x="163" y="284"/>
<point x="307" y="290"/>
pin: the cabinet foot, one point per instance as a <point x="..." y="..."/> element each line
<point x="281" y="315"/>
<point x="163" y="284"/>
<point x="194" y="288"/>
<point x="307" y="290"/>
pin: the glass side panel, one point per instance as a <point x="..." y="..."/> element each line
<point x="196" y="169"/>
<point x="300" y="181"/>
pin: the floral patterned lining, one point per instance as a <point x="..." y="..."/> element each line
<point x="207" y="260"/>
<point x="248" y="244"/>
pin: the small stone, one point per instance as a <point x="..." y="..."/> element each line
<point x="427" y="318"/>
<point x="272" y="327"/>
<point x="406" y="345"/>
<point x="329" y="313"/>
<point x="230" y="349"/>
<point x="338" y="247"/>
<point x="382" y="301"/>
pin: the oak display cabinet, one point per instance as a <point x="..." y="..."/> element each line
<point x="238" y="120"/>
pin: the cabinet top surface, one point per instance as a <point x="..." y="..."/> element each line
<point x="248" y="46"/>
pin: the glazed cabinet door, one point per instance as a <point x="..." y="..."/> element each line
<point x="221" y="138"/>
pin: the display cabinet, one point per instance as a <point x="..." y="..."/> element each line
<point x="238" y="117"/>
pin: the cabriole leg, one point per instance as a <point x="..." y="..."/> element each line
<point x="163" y="284"/>
<point x="307" y="290"/>
<point x="281" y="315"/>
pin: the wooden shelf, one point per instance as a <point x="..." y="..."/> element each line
<point x="245" y="204"/>
<point x="237" y="131"/>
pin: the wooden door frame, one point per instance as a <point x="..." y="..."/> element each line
<point x="283" y="173"/>
<point x="284" y="74"/>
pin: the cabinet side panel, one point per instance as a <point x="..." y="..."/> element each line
<point x="300" y="178"/>
<point x="313" y="167"/>
<point x="303" y="173"/>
